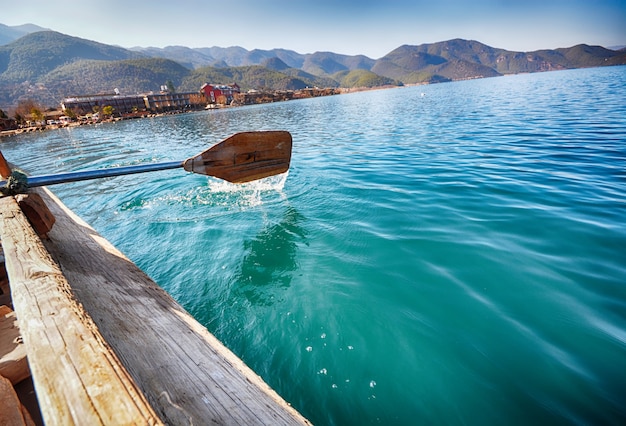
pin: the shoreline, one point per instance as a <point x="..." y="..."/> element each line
<point x="151" y="114"/>
<point x="42" y="128"/>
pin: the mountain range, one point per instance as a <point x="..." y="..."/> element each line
<point x="9" y="34"/>
<point x="46" y="66"/>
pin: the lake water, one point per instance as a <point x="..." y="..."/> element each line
<point x="443" y="254"/>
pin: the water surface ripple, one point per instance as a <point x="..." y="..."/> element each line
<point x="444" y="254"/>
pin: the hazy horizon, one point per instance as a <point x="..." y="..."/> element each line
<point x="371" y="28"/>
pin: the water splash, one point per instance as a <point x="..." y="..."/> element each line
<point x="272" y="183"/>
<point x="226" y="196"/>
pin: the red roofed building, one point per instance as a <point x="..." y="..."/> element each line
<point x="219" y="93"/>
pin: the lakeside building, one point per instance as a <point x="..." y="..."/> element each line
<point x="221" y="94"/>
<point x="166" y="101"/>
<point x="208" y="96"/>
<point x="153" y="102"/>
<point x="87" y="104"/>
<point x="123" y="104"/>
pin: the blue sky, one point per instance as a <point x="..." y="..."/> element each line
<point x="369" y="27"/>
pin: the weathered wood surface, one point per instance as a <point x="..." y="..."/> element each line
<point x="5" y="291"/>
<point x="12" y="413"/>
<point x="5" y="168"/>
<point x="13" y="362"/>
<point x="78" y="379"/>
<point x="245" y="156"/>
<point x="187" y="375"/>
<point x="37" y="213"/>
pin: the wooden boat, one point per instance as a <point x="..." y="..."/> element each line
<point x="105" y="344"/>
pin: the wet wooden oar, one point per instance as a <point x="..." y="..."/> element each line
<point x="243" y="157"/>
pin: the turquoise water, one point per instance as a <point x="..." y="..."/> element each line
<point x="444" y="254"/>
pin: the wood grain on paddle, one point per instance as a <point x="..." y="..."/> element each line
<point x="245" y="157"/>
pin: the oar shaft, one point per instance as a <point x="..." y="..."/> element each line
<point x="242" y="157"/>
<point x="101" y="173"/>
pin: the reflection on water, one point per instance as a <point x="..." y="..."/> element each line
<point x="270" y="260"/>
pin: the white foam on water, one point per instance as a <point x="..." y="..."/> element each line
<point x="248" y="194"/>
<point x="218" y="196"/>
<point x="271" y="183"/>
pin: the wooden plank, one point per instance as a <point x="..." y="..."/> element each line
<point x="5" y="291"/>
<point x="78" y="379"/>
<point x="5" y="168"/>
<point x="187" y="375"/>
<point x="13" y="362"/>
<point x="36" y="212"/>
<point x="13" y="413"/>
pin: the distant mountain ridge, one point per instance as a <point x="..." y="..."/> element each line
<point x="315" y="63"/>
<point x="47" y="66"/>
<point x="12" y="33"/>
<point x="462" y="59"/>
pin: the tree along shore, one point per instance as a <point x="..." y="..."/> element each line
<point x="51" y="119"/>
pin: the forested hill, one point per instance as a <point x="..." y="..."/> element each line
<point x="463" y="59"/>
<point x="47" y="66"/>
<point x="435" y="62"/>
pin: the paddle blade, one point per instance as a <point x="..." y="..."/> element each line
<point x="5" y="169"/>
<point x="245" y="157"/>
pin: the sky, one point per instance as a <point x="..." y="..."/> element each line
<point x="351" y="27"/>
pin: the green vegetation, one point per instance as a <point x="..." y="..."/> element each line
<point x="39" y="53"/>
<point x="129" y="76"/>
<point x="363" y="78"/>
<point x="108" y="110"/>
<point x="422" y="77"/>
<point x="254" y="77"/>
<point x="248" y="77"/>
<point x="463" y="59"/>
<point x="48" y="66"/>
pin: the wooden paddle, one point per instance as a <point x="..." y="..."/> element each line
<point x="243" y="157"/>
